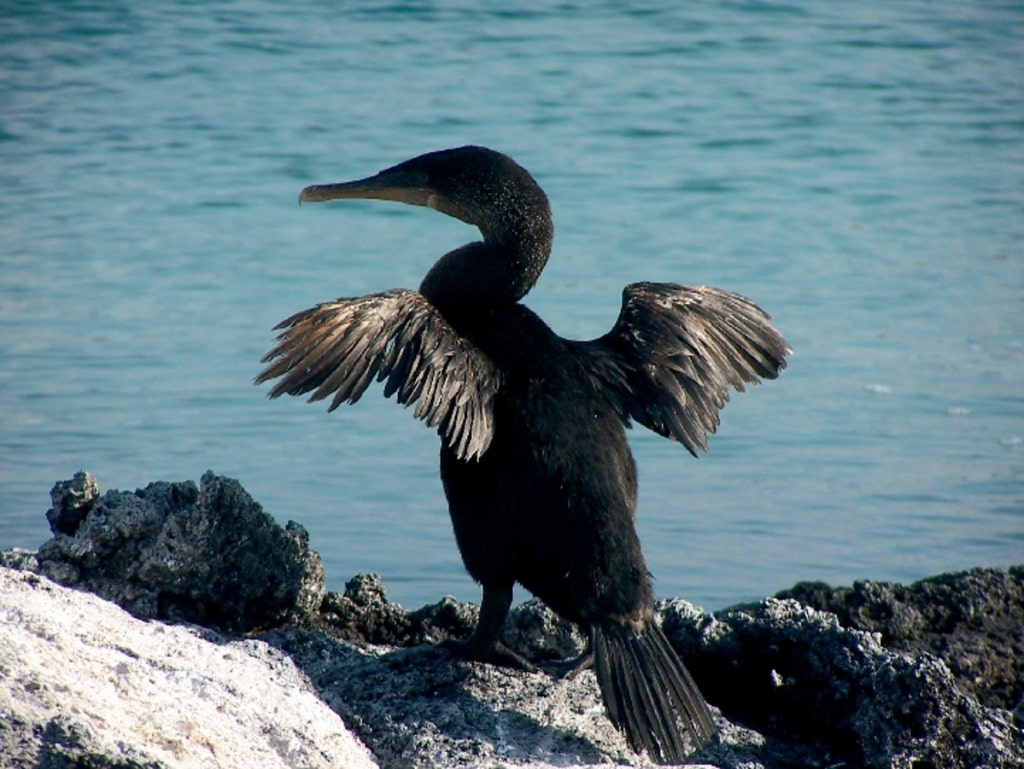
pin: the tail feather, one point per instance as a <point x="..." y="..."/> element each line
<point x="648" y="692"/>
<point x="617" y="688"/>
<point x="657" y="709"/>
<point x="689" y="697"/>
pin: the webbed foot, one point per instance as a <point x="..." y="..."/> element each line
<point x="569" y="669"/>
<point x="495" y="653"/>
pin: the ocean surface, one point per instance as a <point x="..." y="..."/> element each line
<point x="856" y="168"/>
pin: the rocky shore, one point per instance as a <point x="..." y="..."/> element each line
<point x="181" y="626"/>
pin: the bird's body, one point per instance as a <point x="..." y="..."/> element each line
<point x="540" y="481"/>
<point x="558" y="482"/>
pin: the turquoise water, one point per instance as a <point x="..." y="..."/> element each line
<point x="858" y="169"/>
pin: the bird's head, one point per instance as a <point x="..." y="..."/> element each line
<point x="476" y="185"/>
<point x="480" y="187"/>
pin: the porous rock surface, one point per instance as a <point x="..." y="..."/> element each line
<point x="174" y="551"/>
<point x="84" y="684"/>
<point x="971" y="620"/>
<point x="901" y="677"/>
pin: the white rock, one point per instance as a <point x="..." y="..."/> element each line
<point x="178" y="696"/>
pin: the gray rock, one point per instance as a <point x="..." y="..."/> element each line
<point x="416" y="706"/>
<point x="208" y="555"/>
<point x="815" y="688"/>
<point x="363" y="614"/>
<point x="812" y="692"/>
<point x="878" y="675"/>
<point x="72" y="501"/>
<point x="971" y="620"/>
<point x="84" y="684"/>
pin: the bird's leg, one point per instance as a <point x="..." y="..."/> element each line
<point x="483" y="645"/>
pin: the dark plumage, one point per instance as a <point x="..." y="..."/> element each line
<point x="540" y="481"/>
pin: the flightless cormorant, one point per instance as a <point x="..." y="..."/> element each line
<point x="540" y="481"/>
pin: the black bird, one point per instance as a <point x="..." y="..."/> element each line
<point x="540" y="481"/>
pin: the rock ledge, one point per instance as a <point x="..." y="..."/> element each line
<point x="226" y="651"/>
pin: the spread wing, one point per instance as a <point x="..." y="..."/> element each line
<point x="339" y="347"/>
<point x="682" y="347"/>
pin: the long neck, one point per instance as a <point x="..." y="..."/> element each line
<point x="501" y="269"/>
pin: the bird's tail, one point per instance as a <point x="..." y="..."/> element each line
<point x="648" y="692"/>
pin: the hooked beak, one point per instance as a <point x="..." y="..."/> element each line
<point x="381" y="186"/>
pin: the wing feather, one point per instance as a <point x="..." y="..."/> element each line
<point x="337" y="348"/>
<point x="682" y="348"/>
